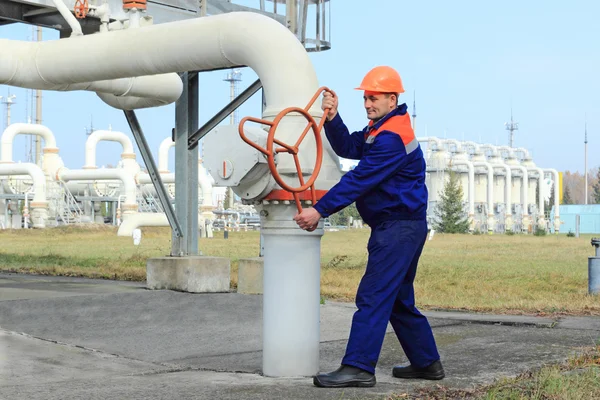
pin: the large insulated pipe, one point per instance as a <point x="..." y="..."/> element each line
<point x="490" y="193"/>
<point x="144" y="179"/>
<point x="113" y="136"/>
<point x="555" y="178"/>
<point x="471" y="194"/>
<point x="237" y="38"/>
<point x="13" y="130"/>
<point x="39" y="205"/>
<point x="163" y="154"/>
<point x="130" y="205"/>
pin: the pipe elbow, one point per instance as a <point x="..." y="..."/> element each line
<point x="163" y="154"/>
<point x="141" y="219"/>
<point x="101" y="135"/>
<point x="15" y="129"/>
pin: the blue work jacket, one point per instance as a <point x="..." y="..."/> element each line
<point x="389" y="181"/>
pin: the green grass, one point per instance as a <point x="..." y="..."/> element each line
<point x="577" y="379"/>
<point x="499" y="273"/>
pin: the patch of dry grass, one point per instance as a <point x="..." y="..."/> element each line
<point x="499" y="273"/>
<point x="576" y="379"/>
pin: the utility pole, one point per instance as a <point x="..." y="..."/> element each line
<point x="585" y="142"/>
<point x="38" y="113"/>
<point x="8" y="101"/>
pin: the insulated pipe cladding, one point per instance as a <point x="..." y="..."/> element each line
<point x="13" y="130"/>
<point x="130" y="205"/>
<point x="113" y="136"/>
<point x="39" y="205"/>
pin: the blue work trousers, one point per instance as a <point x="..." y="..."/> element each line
<point x="386" y="293"/>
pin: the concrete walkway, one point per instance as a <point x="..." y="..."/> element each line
<point x="69" y="338"/>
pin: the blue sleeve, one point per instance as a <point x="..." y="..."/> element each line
<point x="344" y="144"/>
<point x="385" y="158"/>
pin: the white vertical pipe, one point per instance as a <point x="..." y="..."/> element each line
<point x="490" y="193"/>
<point x="541" y="219"/>
<point x="524" y="191"/>
<point x="556" y="199"/>
<point x="291" y="295"/>
<point x="163" y="154"/>
<point x="507" y="195"/>
<point x="69" y="17"/>
<point x="471" y="194"/>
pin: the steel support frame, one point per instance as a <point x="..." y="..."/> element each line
<point x="223" y="113"/>
<point x="186" y="168"/>
<point x="142" y="144"/>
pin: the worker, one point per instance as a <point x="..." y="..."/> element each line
<point x="388" y="186"/>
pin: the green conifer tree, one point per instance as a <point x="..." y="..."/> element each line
<point x="450" y="213"/>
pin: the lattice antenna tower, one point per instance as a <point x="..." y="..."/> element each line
<point x="511" y="126"/>
<point x="234" y="76"/>
<point x="414" y="113"/>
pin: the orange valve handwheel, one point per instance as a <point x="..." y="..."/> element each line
<point x="293" y="150"/>
<point x="81" y="8"/>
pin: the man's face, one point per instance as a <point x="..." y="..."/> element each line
<point x="378" y="105"/>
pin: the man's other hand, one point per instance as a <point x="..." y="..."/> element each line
<point x="330" y="101"/>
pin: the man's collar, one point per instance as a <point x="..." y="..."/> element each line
<point x="400" y="110"/>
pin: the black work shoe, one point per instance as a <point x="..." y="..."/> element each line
<point x="345" y="376"/>
<point x="434" y="371"/>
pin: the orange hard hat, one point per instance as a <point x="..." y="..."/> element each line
<point x="382" y="79"/>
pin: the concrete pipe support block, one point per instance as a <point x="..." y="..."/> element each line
<point x="250" y="275"/>
<point x="194" y="274"/>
